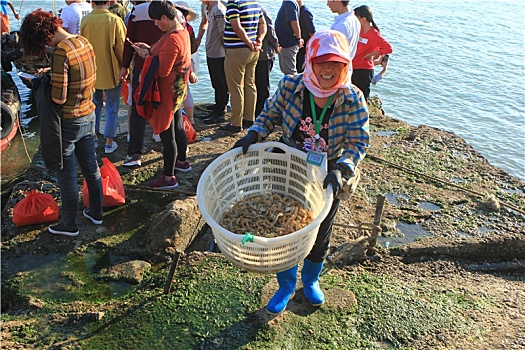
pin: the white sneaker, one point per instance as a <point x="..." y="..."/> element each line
<point x="132" y="161"/>
<point x="110" y="148"/>
<point x="157" y="138"/>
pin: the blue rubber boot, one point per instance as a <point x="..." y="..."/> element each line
<point x="310" y="278"/>
<point x="287" y="281"/>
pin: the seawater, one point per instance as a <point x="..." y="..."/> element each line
<point x="457" y="65"/>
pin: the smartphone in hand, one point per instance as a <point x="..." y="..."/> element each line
<point x="385" y="59"/>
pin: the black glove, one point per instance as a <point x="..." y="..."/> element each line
<point x="250" y="138"/>
<point x="334" y="178"/>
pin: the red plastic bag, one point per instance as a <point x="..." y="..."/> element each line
<point x="125" y="92"/>
<point x="112" y="187"/>
<point x="191" y="134"/>
<point x="36" y="208"/>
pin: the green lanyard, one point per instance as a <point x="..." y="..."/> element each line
<point x="318" y="122"/>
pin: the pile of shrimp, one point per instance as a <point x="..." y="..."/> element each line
<point x="267" y="215"/>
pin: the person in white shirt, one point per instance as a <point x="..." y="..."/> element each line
<point x="347" y="23"/>
<point x="72" y="15"/>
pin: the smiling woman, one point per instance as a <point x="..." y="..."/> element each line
<point x="322" y="114"/>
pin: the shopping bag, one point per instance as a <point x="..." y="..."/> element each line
<point x="125" y="92"/>
<point x="36" y="208"/>
<point x="112" y="187"/>
<point x="191" y="134"/>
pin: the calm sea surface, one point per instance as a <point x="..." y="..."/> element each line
<point x="457" y="66"/>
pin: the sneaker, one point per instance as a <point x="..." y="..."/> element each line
<point x="161" y="183"/>
<point x="157" y="138"/>
<point x="133" y="160"/>
<point x="230" y="128"/>
<point x="246" y="124"/>
<point x="203" y="116"/>
<point x="214" y="119"/>
<point x="61" y="229"/>
<point x="206" y="116"/>
<point x="110" y="148"/>
<point x="183" y="167"/>
<point x="87" y="214"/>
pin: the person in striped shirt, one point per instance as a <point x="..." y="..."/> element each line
<point x="243" y="34"/>
<point x="323" y="114"/>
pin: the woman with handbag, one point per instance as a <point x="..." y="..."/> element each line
<point x="173" y="51"/>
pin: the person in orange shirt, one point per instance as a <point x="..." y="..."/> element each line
<point x="370" y="46"/>
<point x="174" y="55"/>
<point x="5" y="17"/>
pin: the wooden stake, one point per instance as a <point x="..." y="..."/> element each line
<point x="377" y="222"/>
<point x="174" y="263"/>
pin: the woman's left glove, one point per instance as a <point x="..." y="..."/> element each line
<point x="334" y="178"/>
<point x="250" y="138"/>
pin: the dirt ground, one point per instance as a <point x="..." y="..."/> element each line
<point x="433" y="181"/>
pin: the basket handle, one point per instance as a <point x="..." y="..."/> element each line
<point x="274" y="150"/>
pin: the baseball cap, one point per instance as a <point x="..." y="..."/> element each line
<point x="330" y="57"/>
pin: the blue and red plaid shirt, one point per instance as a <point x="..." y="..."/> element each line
<point x="348" y="127"/>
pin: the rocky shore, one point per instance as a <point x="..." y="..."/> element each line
<point x="457" y="280"/>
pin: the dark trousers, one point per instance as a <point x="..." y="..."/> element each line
<point x="362" y="79"/>
<point x="300" y="60"/>
<point x="262" y="83"/>
<point x="218" y="81"/>
<point x="322" y="242"/>
<point x="137" y="124"/>
<point x="174" y="143"/>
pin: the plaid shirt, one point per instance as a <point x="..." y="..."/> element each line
<point x="73" y="74"/>
<point x="348" y="130"/>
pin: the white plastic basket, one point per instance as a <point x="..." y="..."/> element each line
<point x="233" y="176"/>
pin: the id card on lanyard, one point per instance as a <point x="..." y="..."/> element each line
<point x="314" y="157"/>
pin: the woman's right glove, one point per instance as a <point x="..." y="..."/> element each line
<point x="250" y="138"/>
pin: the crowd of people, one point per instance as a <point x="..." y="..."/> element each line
<point x="320" y="102"/>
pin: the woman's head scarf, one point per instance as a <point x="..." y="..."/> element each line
<point x="326" y="46"/>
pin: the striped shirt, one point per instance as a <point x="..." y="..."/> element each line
<point x="248" y="13"/>
<point x="73" y="74"/>
<point x="348" y="127"/>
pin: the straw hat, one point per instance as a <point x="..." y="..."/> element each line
<point x="184" y="7"/>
